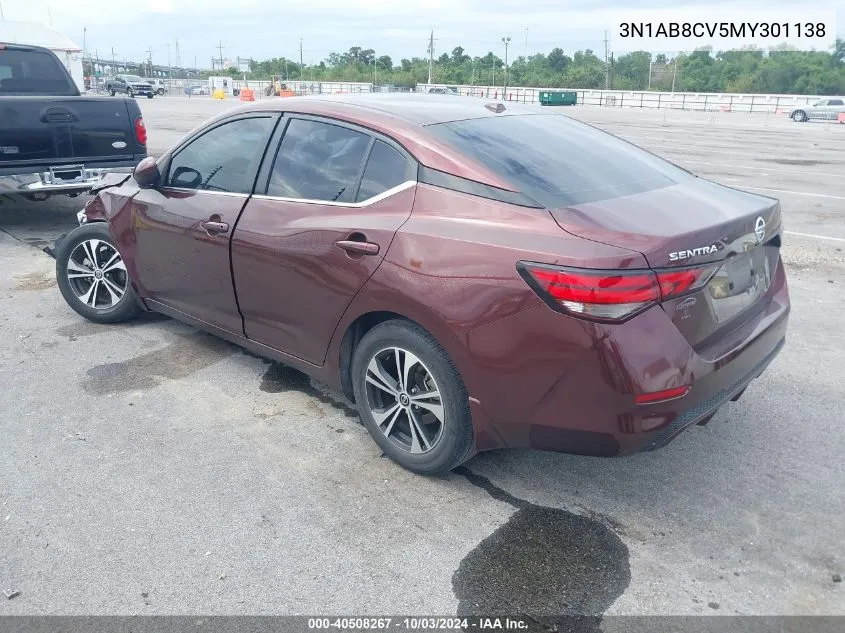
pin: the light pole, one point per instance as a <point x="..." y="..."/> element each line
<point x="506" y="41"/>
<point x="674" y="72"/>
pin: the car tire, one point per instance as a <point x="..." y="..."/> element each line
<point x="431" y="437"/>
<point x="129" y="93"/>
<point x="160" y="92"/>
<point x="99" y="290"/>
<point x="111" y="92"/>
<point x="150" y="96"/>
<point x="799" y="116"/>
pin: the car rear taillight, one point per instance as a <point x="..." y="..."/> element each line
<point x="610" y="295"/>
<point x="140" y="131"/>
<point x="661" y="396"/>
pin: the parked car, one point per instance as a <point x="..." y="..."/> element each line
<point x="472" y="275"/>
<point x="197" y="90"/>
<point x="823" y="109"/>
<point x="52" y="139"/>
<point x="443" y="91"/>
<point x="160" y="86"/>
<point x="130" y="85"/>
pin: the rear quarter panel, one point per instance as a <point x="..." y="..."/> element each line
<point x="452" y="269"/>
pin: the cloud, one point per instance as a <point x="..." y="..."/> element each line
<point x="262" y="28"/>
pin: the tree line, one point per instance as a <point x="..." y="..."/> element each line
<point x="749" y="70"/>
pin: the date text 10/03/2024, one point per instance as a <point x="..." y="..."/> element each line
<point x="418" y="624"/>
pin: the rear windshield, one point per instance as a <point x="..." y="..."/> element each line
<point x="29" y="72"/>
<point x="557" y="161"/>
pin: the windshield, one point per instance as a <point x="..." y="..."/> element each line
<point x="557" y="161"/>
<point x="133" y="78"/>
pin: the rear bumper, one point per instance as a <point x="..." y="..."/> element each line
<point x="576" y="395"/>
<point x="707" y="407"/>
<point x="68" y="179"/>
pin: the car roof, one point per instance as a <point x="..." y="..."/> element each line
<point x="404" y="117"/>
<point x="414" y="108"/>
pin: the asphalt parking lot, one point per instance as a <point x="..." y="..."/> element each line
<point x="152" y="469"/>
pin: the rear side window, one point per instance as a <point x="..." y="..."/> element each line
<point x="835" y="102"/>
<point x="32" y="72"/>
<point x="386" y="168"/>
<point x="556" y="161"/>
<point x="224" y="159"/>
<point x="318" y="161"/>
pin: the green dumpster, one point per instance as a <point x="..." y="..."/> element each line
<point x="558" y="98"/>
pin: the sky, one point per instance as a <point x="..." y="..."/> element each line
<point x="265" y="28"/>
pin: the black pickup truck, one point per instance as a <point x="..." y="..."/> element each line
<point x="54" y="140"/>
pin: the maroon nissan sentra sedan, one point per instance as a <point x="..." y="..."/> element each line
<point x="474" y="275"/>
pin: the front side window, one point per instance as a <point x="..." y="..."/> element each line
<point x="386" y="168"/>
<point x="556" y="161"/>
<point x="318" y="161"/>
<point x="223" y="159"/>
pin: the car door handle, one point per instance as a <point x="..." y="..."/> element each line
<point x="361" y="248"/>
<point x="213" y="228"/>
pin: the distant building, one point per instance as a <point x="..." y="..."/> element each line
<point x="37" y="34"/>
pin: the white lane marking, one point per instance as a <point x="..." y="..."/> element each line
<point x="657" y="146"/>
<point x="797" y="193"/>
<point x="818" y="237"/>
<point x="692" y="161"/>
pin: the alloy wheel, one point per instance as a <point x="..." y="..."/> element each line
<point x="96" y="274"/>
<point x="404" y="400"/>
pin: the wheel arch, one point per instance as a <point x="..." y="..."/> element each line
<point x="355" y="326"/>
<point x="353" y="334"/>
<point x="366" y="312"/>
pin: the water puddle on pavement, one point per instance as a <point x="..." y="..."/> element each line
<point x="544" y="566"/>
<point x="183" y="357"/>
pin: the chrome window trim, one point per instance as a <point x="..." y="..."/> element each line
<point x="352" y="205"/>
<point x="215" y="193"/>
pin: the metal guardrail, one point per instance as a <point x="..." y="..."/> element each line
<point x="705" y="102"/>
<point x="205" y="87"/>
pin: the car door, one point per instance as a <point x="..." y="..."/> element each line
<point x="835" y="107"/>
<point x="818" y="110"/>
<point x="181" y="229"/>
<point x="335" y="196"/>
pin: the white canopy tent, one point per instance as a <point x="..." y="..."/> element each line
<point x="37" y="34"/>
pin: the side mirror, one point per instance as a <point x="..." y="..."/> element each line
<point x="146" y="173"/>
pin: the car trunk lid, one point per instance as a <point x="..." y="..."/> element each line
<point x="736" y="235"/>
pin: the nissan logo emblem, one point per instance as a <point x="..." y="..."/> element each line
<point x="760" y="228"/>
